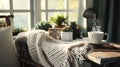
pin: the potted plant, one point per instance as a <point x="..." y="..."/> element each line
<point x="59" y="20"/>
<point x="67" y="34"/>
<point x="2" y="23"/>
<point x="17" y="30"/>
<point x="44" y="25"/>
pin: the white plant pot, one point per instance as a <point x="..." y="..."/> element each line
<point x="67" y="36"/>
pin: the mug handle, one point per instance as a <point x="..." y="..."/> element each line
<point x="107" y="37"/>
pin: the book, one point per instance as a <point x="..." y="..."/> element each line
<point x="105" y="47"/>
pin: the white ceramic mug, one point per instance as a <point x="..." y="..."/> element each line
<point x="97" y="36"/>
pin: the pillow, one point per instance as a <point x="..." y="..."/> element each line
<point x="7" y="51"/>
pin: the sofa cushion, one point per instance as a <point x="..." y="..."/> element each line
<point x="7" y="51"/>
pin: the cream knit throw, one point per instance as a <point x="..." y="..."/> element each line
<point x="44" y="49"/>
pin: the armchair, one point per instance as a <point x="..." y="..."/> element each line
<point x="23" y="54"/>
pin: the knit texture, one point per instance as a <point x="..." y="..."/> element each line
<point x="50" y="52"/>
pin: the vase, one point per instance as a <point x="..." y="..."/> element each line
<point x="67" y="36"/>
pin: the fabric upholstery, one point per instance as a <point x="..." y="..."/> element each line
<point x="7" y="50"/>
<point x="23" y="53"/>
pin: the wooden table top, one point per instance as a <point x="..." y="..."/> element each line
<point x="106" y="55"/>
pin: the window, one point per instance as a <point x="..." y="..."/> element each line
<point x="21" y="9"/>
<point x="28" y="12"/>
<point x="53" y="7"/>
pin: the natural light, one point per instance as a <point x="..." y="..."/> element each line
<point x="25" y="14"/>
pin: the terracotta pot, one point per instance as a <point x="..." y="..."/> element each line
<point x="61" y="26"/>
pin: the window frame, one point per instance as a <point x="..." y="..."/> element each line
<point x="66" y="10"/>
<point x="11" y="11"/>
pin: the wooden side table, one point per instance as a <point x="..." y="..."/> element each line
<point x="105" y="57"/>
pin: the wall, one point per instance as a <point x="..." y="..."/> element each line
<point x="89" y="3"/>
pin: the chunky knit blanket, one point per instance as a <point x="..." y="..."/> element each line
<point x="50" y="52"/>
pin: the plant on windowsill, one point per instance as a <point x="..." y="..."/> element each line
<point x="66" y="33"/>
<point x="44" y="25"/>
<point x="17" y="30"/>
<point x="2" y="23"/>
<point x="67" y="29"/>
<point x="59" y="20"/>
